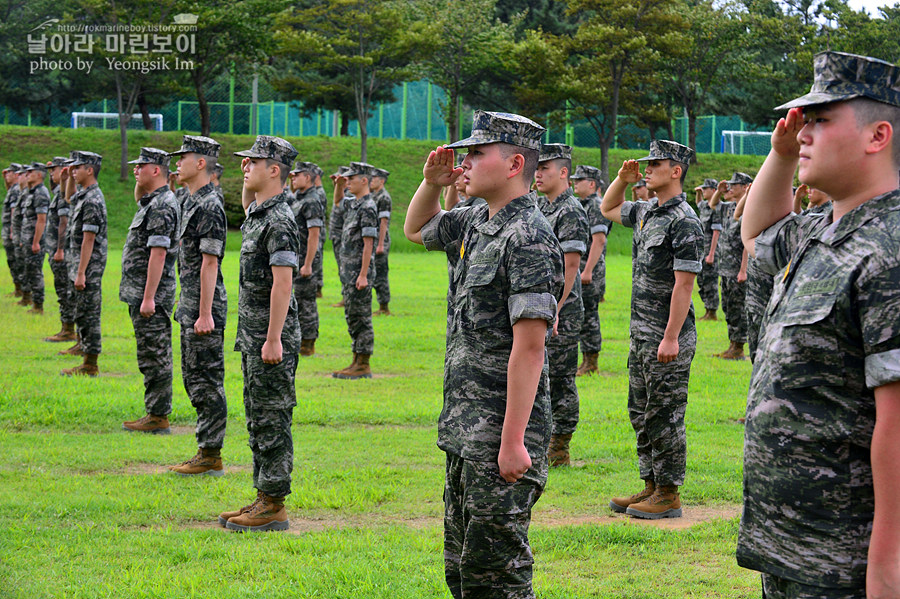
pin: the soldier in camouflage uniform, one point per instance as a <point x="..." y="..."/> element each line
<point x="382" y="199"/>
<point x="821" y="489"/>
<point x="16" y="230"/>
<point x="86" y="253"/>
<point x="336" y="221"/>
<point x="732" y="257"/>
<point x="359" y="228"/>
<point x="54" y="238"/>
<point x="495" y="425"/>
<point x="268" y="334"/>
<point x="568" y="221"/>
<point x="666" y="253"/>
<point x="711" y="219"/>
<point x="587" y="183"/>
<point x="11" y="178"/>
<point x="319" y="273"/>
<point x="309" y="213"/>
<point x="34" y="208"/>
<point x="148" y="285"/>
<point x="203" y="303"/>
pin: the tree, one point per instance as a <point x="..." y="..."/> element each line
<point x="468" y="46"/>
<point x="370" y="42"/>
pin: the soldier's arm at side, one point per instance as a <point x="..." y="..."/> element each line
<point x="711" y="257"/>
<point x="38" y="233"/>
<point x="209" y="268"/>
<point x="87" y="248"/>
<point x="598" y="242"/>
<point x="572" y="262"/>
<point x="154" y="273"/>
<point x="60" y="238"/>
<point x="382" y="232"/>
<point x="679" y="305"/>
<point x="526" y="361"/>
<point x="312" y="246"/>
<point x="883" y="572"/>
<point x="279" y="302"/>
<point x="362" y="281"/>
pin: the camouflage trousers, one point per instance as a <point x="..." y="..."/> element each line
<point x="318" y="266"/>
<point x="486" y="519"/>
<point x="12" y="262"/>
<point x="269" y="400"/>
<point x="657" y="400"/>
<point x="358" y="314"/>
<point x="33" y="274"/>
<point x="307" y="309"/>
<point x="562" y="352"/>
<point x="733" y="297"/>
<point x="64" y="291"/>
<point x="88" y="304"/>
<point x="336" y="247"/>
<point x="153" y="337"/>
<point x="590" y="336"/>
<point x="708" y="285"/>
<point x="381" y="284"/>
<point x="774" y="587"/>
<point x="759" y="290"/>
<point x="203" y="373"/>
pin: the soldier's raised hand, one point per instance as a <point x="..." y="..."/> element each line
<point x="784" y="137"/>
<point x="439" y="169"/>
<point x="630" y="172"/>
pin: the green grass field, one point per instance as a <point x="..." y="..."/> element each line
<point x="87" y="510"/>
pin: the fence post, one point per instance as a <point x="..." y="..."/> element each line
<point x="403" y="113"/>
<point x="570" y="129"/>
<point x="300" y="118"/>
<point x="381" y="121"/>
<point x="428" y="119"/>
<point x="712" y="136"/>
<point x="254" y="106"/>
<point x="460" y="116"/>
<point x="105" y="111"/>
<point x="231" y="102"/>
<point x="319" y="121"/>
<point x="179" y="117"/>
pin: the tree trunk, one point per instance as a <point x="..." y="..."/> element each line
<point x="145" y="111"/>
<point x="453" y="116"/>
<point x="345" y="124"/>
<point x="363" y="140"/>
<point x="124" y="117"/>
<point x="692" y="132"/>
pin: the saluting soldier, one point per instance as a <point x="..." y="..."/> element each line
<point x="10" y="201"/>
<point x="711" y="219"/>
<point x="382" y="199"/>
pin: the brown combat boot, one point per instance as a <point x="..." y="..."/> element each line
<point x="307" y="347"/>
<point x="736" y="353"/>
<point x="225" y="516"/>
<point x="319" y="293"/>
<point x="17" y="292"/>
<point x="75" y="350"/>
<point x="155" y="425"/>
<point x="267" y="514"/>
<point x="620" y="504"/>
<point x="664" y="503"/>
<point x="66" y="333"/>
<point x="337" y="374"/>
<point x="383" y="310"/>
<point x="559" y="450"/>
<point x="710" y="315"/>
<point x="358" y="370"/>
<point x="340" y="304"/>
<point x="208" y="461"/>
<point x="86" y="368"/>
<point x="38" y="309"/>
<point x="728" y="352"/>
<point x="26" y="299"/>
<point x="588" y="365"/>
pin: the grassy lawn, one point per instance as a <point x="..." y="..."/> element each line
<point x="87" y="510"/>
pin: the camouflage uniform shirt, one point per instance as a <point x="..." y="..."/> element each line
<point x="730" y="249"/>
<point x="359" y="220"/>
<point x="87" y="215"/>
<point x="203" y="231"/>
<point x="597" y="223"/>
<point x="831" y="335"/>
<point x="268" y="238"/>
<point x="59" y="209"/>
<point x="710" y="220"/>
<point x="665" y="239"/>
<point x="510" y="267"/>
<point x="37" y="201"/>
<point x="9" y="202"/>
<point x="308" y="212"/>
<point x="569" y="223"/>
<point x="382" y="201"/>
<point x="155" y="224"/>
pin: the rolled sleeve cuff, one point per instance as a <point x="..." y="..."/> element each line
<point x="599" y="229"/>
<point x="90" y="229"/>
<point x="540" y="306"/>
<point x="430" y="232"/>
<point x="315" y="222"/>
<point x="214" y="247"/>
<point x="41" y="210"/>
<point x="882" y="368"/>
<point x="716" y="227"/>
<point x="159" y="241"/>
<point x="694" y="266"/>
<point x="63" y="212"/>
<point x="370" y="231"/>
<point x="284" y="258"/>
<point x="625" y="212"/>
<point x="572" y="246"/>
<point x="385" y="214"/>
<point x="766" y="256"/>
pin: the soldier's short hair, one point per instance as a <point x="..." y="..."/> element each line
<point x="531" y="158"/>
<point x="212" y="164"/>
<point x="283" y="169"/>
<point x="869" y="111"/>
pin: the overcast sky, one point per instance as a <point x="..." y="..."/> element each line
<point x="871" y="6"/>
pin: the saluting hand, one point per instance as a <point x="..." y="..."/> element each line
<point x="630" y="172"/>
<point x="439" y="169"/>
<point x="784" y="137"/>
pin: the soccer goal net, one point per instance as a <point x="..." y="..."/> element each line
<point x="746" y="142"/>
<point x="110" y="120"/>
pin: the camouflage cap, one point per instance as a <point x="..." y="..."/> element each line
<point x="360" y="168"/>
<point x="218" y="169"/>
<point x="641" y="183"/>
<point x="839" y="76"/>
<point x="709" y="184"/>
<point x="90" y="158"/>
<point x="740" y="179"/>
<point x="555" y="152"/>
<point x="152" y="156"/>
<point x="318" y="170"/>
<point x="583" y="171"/>
<point x="341" y="172"/>
<point x="304" y="167"/>
<point x="380" y="172"/>
<point x="663" y="149"/>
<point x="502" y="127"/>
<point x="58" y="161"/>
<point x="12" y="167"/>
<point x="36" y="166"/>
<point x="271" y="148"/>
<point x="197" y="144"/>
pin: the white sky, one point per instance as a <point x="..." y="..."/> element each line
<point x="870" y="6"/>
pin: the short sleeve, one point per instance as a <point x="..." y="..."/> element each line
<point x="879" y="305"/>
<point x="775" y="245"/>
<point x="92" y="216"/>
<point x="632" y="212"/>
<point x="368" y="220"/>
<point x="445" y="229"/>
<point x="687" y="245"/>
<point x="282" y="245"/>
<point x="570" y="231"/>
<point x="162" y="222"/>
<point x="211" y="228"/>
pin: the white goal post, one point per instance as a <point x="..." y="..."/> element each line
<point x="746" y="142"/>
<point x="104" y="120"/>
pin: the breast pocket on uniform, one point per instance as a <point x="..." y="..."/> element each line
<point x="484" y="305"/>
<point x="138" y="220"/>
<point x="809" y="342"/>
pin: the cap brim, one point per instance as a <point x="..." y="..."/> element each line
<point x="144" y="161"/>
<point x="646" y="158"/>
<point x="471" y="141"/>
<point x="182" y="151"/>
<point x="249" y="154"/>
<point x="816" y="98"/>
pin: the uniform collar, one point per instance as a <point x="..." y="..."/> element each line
<point x="548" y="207"/>
<point x="856" y="218"/>
<point x="146" y="198"/>
<point x="206" y="189"/>
<point x="670" y="203"/>
<point x="275" y="199"/>
<point x="492" y="225"/>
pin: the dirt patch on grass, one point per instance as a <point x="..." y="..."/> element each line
<point x="375" y="375"/>
<point x="691" y="515"/>
<point x="144" y="469"/>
